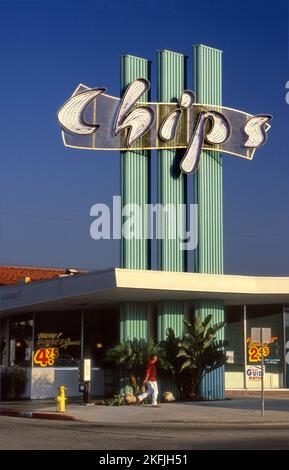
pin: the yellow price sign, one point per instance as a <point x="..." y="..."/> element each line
<point x="255" y="353"/>
<point x="45" y="356"/>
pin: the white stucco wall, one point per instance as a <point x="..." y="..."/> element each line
<point x="44" y="381"/>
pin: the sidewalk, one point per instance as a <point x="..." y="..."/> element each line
<point x="243" y="410"/>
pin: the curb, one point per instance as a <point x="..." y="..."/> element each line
<point x="36" y="415"/>
<point x="189" y="425"/>
<point x="157" y="424"/>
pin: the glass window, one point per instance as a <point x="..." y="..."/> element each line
<point x="20" y="344"/>
<point x="3" y="342"/>
<point x="266" y="316"/>
<point x="57" y="340"/>
<point x="234" y="335"/>
<point x="101" y="331"/>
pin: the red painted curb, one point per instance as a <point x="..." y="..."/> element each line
<point x="36" y="415"/>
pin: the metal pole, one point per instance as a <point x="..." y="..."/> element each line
<point x="284" y="348"/>
<point x="32" y="348"/>
<point x="87" y="393"/>
<point x="245" y="344"/>
<point x="262" y="377"/>
<point x="84" y="393"/>
<point x="82" y="335"/>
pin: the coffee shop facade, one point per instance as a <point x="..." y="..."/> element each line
<point x="80" y="315"/>
<point x="49" y="325"/>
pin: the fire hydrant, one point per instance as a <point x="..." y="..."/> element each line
<point x="61" y="399"/>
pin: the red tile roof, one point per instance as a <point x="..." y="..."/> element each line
<point x="13" y="274"/>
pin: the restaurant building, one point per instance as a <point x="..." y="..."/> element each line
<point x="81" y="314"/>
<point x="51" y="320"/>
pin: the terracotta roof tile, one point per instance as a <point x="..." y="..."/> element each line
<point x="13" y="274"/>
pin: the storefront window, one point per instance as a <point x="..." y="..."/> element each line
<point x="101" y="331"/>
<point x="3" y="342"/>
<point x="20" y="344"/>
<point x="57" y="341"/>
<point x="266" y="316"/>
<point x="234" y="336"/>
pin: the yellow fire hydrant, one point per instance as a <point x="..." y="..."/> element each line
<point x="61" y="399"/>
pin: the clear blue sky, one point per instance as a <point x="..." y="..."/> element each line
<point x="48" y="47"/>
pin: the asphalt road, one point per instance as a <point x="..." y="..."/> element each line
<point x="32" y="434"/>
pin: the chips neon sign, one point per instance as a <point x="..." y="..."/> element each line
<point x="92" y="119"/>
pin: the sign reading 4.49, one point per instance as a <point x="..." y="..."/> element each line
<point x="45" y="356"/>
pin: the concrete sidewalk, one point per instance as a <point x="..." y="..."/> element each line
<point x="243" y="410"/>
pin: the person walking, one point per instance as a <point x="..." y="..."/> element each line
<point x="150" y="381"/>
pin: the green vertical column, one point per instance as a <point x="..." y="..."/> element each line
<point x="135" y="174"/>
<point x="135" y="189"/>
<point x="209" y="197"/>
<point x="171" y="314"/>
<point x="208" y="178"/>
<point x="213" y="383"/>
<point x="171" y="181"/>
<point x="171" y="190"/>
<point x="133" y="321"/>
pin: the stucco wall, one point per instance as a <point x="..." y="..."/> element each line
<point x="44" y="382"/>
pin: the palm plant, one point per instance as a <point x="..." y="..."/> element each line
<point x="133" y="356"/>
<point x="201" y="353"/>
<point x="169" y="362"/>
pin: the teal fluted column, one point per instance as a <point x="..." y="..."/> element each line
<point x="135" y="189"/>
<point x="135" y="174"/>
<point x="213" y="384"/>
<point x="171" y="190"/>
<point x="208" y="188"/>
<point x="208" y="178"/>
<point x="171" y="182"/>
<point x="171" y="314"/>
<point x="133" y="321"/>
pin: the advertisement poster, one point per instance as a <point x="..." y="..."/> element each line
<point x="254" y="373"/>
<point x="271" y="352"/>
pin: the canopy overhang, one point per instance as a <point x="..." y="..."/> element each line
<point x="114" y="286"/>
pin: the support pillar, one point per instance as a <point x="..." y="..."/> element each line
<point x="208" y="185"/>
<point x="208" y="195"/>
<point x="133" y="321"/>
<point x="171" y="314"/>
<point x="171" y="181"/>
<point x="171" y="190"/>
<point x="135" y="175"/>
<point x="213" y="383"/>
<point x="135" y="189"/>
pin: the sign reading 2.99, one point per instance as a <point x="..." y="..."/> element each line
<point x="45" y="356"/>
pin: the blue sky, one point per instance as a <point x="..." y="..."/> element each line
<point x="48" y="47"/>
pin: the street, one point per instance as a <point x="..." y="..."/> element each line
<point x="33" y="434"/>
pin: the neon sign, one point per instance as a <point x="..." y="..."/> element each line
<point x="92" y="119"/>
